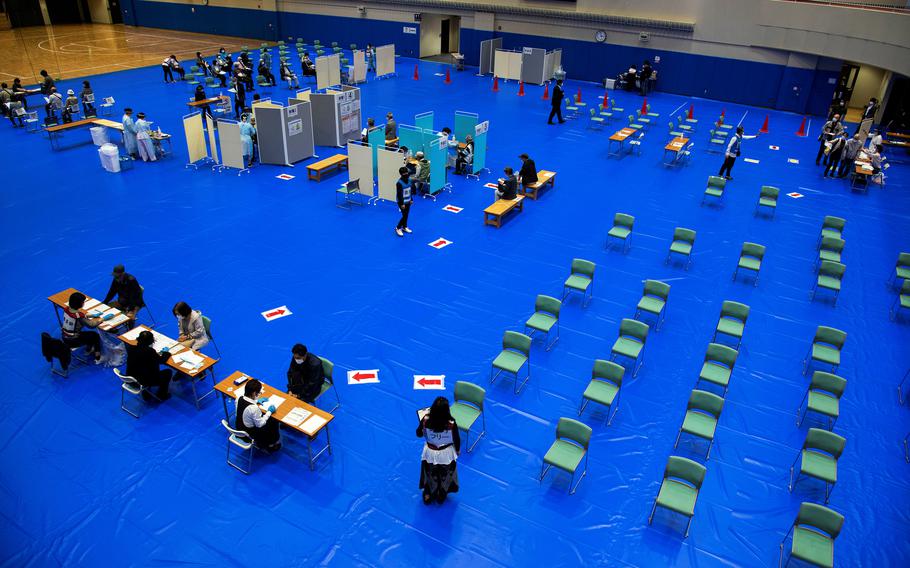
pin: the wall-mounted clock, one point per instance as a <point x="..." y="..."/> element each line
<point x="600" y="36"/>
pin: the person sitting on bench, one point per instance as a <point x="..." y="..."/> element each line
<point x="70" y="106"/>
<point x="54" y="104"/>
<point x="88" y="99"/>
<point x="218" y="66"/>
<point x="201" y="64"/>
<point x="507" y="188"/>
<point x="528" y="172"/>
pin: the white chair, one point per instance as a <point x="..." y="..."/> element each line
<point x="242" y="440"/>
<point x="31" y="121"/>
<point x="879" y="178"/>
<point x="75" y="358"/>
<point x="687" y="153"/>
<point x="107" y="106"/>
<point x="636" y="144"/>
<point x="129" y="385"/>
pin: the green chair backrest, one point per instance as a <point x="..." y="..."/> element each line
<point x="828" y="382"/>
<point x="752" y="249"/>
<point x="657" y="288"/>
<point x="833" y="244"/>
<point x="631" y="119"/>
<point x="820" y="517"/>
<point x="623" y="220"/>
<point x="608" y="371"/>
<point x="735" y="310"/>
<point x="681" y="118"/>
<point x="280" y="42"/>
<point x="583" y="267"/>
<point x="834" y="223"/>
<point x="592" y="112"/>
<point x="903" y="259"/>
<point x="832" y="269"/>
<point x="685" y="469"/>
<point x="671" y="126"/>
<point x="647" y="108"/>
<point x="706" y="402"/>
<point x="516" y="341"/>
<point x="770" y="191"/>
<point x="547" y="304"/>
<point x="831" y="336"/>
<point x="353" y="46"/>
<point x="334" y="44"/>
<point x="575" y="431"/>
<point x="828" y="442"/>
<point x="470" y="393"/>
<point x="717" y="181"/>
<point x="638" y="113"/>
<point x="633" y="328"/>
<point x="722" y="354"/>
<point x="713" y="133"/>
<point x="684" y="235"/>
<point x="207" y="324"/>
<point x="327" y="368"/>
<point x="905" y="288"/>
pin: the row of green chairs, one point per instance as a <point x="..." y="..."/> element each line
<point x="901" y="272"/>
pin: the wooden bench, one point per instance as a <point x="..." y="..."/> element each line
<point x="493" y="214"/>
<point x="544" y="177"/>
<point x="337" y="162"/>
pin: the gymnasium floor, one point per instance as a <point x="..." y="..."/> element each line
<point x="83" y="483"/>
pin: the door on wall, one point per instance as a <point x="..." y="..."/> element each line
<point x="24" y="13"/>
<point x="444" y="31"/>
<point x="67" y="12"/>
<point x="846" y="83"/>
<point x="116" y="14"/>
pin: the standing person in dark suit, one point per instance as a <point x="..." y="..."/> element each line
<point x="143" y="363"/>
<point x="870" y="109"/>
<point x="403" y="197"/>
<point x="528" y="172"/>
<point x="128" y="292"/>
<point x="851" y="151"/>
<point x="305" y="374"/>
<point x="645" y="77"/>
<point x="556" y="102"/>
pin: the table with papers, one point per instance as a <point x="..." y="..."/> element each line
<point x="114" y="319"/>
<point x="289" y="411"/>
<point x="182" y="360"/>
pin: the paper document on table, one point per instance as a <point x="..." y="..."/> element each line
<point x="116" y="320"/>
<point x="273" y="400"/>
<point x="99" y="309"/>
<point x="312" y="424"/>
<point x="90" y="303"/>
<point x="867" y="167"/>
<point x="132" y="334"/>
<point x="191" y="358"/>
<point x="296" y="416"/>
<point x="176" y="349"/>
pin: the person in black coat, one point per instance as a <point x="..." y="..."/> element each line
<point x="507" y="188"/>
<point x="835" y="153"/>
<point x="143" y="363"/>
<point x="645" y="78"/>
<point x="403" y="198"/>
<point x="528" y="172"/>
<point x="128" y="292"/>
<point x="556" y="102"/>
<point x="305" y="374"/>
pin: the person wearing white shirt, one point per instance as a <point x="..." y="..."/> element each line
<point x="875" y="140"/>
<point x="733" y="151"/>
<point x="255" y="420"/>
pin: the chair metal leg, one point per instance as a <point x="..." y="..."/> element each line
<point x="689" y="524"/>
<point x="907" y="448"/>
<point x="123" y="406"/>
<point x="614" y="408"/>
<point x="527" y="378"/>
<point x="676" y="443"/>
<point x="653" y="508"/>
<point x="584" y="403"/>
<point x="543" y="471"/>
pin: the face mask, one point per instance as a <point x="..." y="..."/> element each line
<point x="298" y="361"/>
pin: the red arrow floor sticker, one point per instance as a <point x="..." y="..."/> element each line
<point x="285" y="177"/>
<point x="429" y="382"/>
<point x="276" y="313"/>
<point x="440" y="243"/>
<point x="361" y="377"/>
<point x="795" y="195"/>
<point x="491" y="185"/>
<point x="453" y="209"/>
<point x="774" y="147"/>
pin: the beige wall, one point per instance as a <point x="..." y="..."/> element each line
<point x="868" y="84"/>
<point x="100" y="11"/>
<point x="430" y="26"/>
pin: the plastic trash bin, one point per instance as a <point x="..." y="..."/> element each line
<point x="99" y="135"/>
<point x="110" y="157"/>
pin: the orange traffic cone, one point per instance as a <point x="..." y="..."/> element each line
<point x="546" y="92"/>
<point x="448" y="77"/>
<point x="764" y="127"/>
<point x="644" y="106"/>
<point x="495" y="84"/>
<point x="691" y="112"/>
<point x="606" y="103"/>
<point x="802" y="128"/>
<point x="416" y="75"/>
<point x="521" y="88"/>
<point x="578" y="96"/>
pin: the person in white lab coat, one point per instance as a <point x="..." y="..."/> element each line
<point x="129" y="133"/>
<point x="247" y="131"/>
<point x="144" y="138"/>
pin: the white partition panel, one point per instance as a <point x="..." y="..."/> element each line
<point x="360" y="166"/>
<point x="385" y="60"/>
<point x="388" y="161"/>
<point x="501" y="64"/>
<point x="231" y="147"/>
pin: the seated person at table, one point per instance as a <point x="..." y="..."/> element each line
<point x="47" y="85"/>
<point x="364" y="134"/>
<point x="143" y="363"/>
<point x="309" y="70"/>
<point x="875" y="156"/>
<point x="288" y="75"/>
<point x="255" y="420"/>
<point x="7" y="98"/>
<point x="200" y="95"/>
<point x="507" y="188"/>
<point x="264" y="70"/>
<point x="465" y="157"/>
<point x="218" y="70"/>
<point x="88" y="98"/>
<point x="70" y="105"/>
<point x="200" y="62"/>
<point x="128" y="292"/>
<point x="305" y="375"/>
<point x="74" y="320"/>
<point x="528" y="172"/>
<point x="190" y="326"/>
<point x="421" y="174"/>
<point x="54" y="103"/>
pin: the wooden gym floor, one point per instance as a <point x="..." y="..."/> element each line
<point x="89" y="49"/>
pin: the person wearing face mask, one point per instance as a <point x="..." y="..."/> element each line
<point x="403" y="198"/>
<point x="191" y="326"/>
<point x="256" y="420"/>
<point x="305" y="374"/>
<point x="831" y="130"/>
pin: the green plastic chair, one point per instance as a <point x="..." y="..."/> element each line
<point x="194" y="69"/>
<point x="826" y="347"/>
<point x="192" y="80"/>
<point x="715" y="188"/>
<point x="832" y="227"/>
<point x="767" y="197"/>
<point x="633" y="125"/>
<point x="622" y="230"/>
<point x="683" y="241"/>
<point x="353" y="46"/>
<point x="654" y="301"/>
<point x="642" y="119"/>
<point x="818" y="458"/>
<point x="316" y="42"/>
<point x="334" y="44"/>
<point x="814" y="531"/>
<point x="830" y="277"/>
<point x="688" y="128"/>
<point x="210" y="82"/>
<point x="702" y="414"/>
<point x="567" y="451"/>
<point x="595" y="122"/>
<point x="680" y="487"/>
<point x="262" y="81"/>
<point x="612" y="106"/>
<point x="720" y="124"/>
<point x="732" y="321"/>
<point x="280" y="42"/>
<point x="674" y="133"/>
<point x="546" y="316"/>
<point x="581" y="279"/>
<point x="822" y="397"/>
<point x="631" y="343"/>
<point x="718" y="365"/>
<point x="468" y="408"/>
<point x="901" y="268"/>
<point x="604" y="388"/>
<point x="717" y="142"/>
<point x="516" y="352"/>
<point x="750" y="258"/>
<point x="901" y="302"/>
<point x="207" y="324"/>
<point x="830" y="248"/>
<point x="328" y="369"/>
